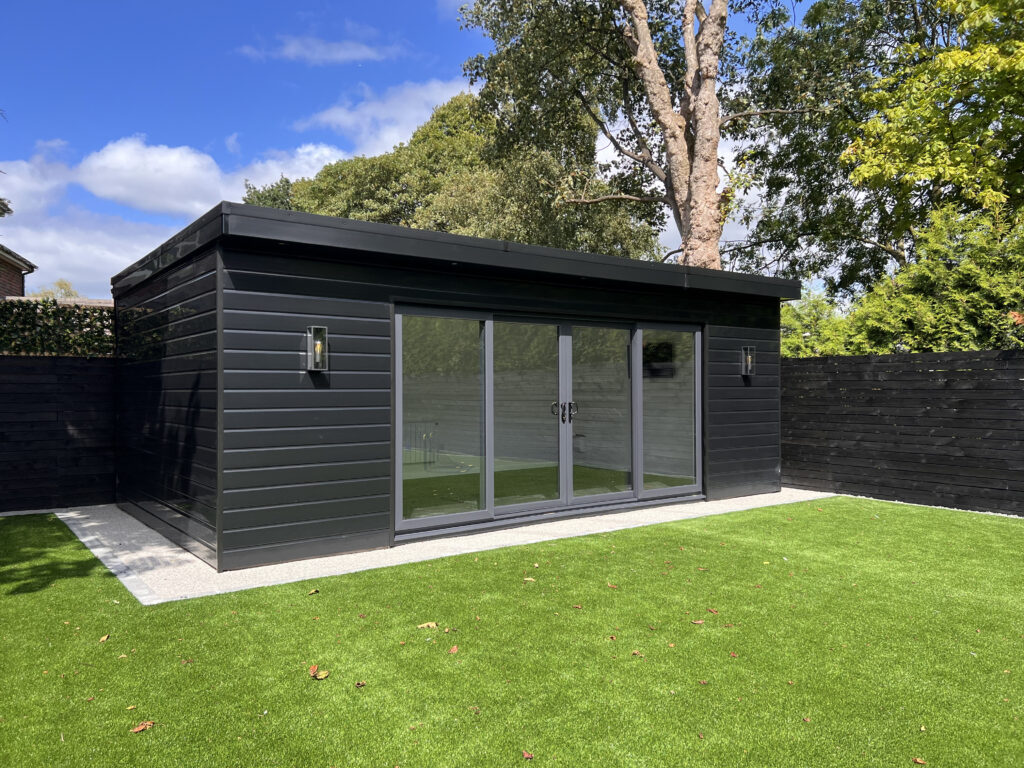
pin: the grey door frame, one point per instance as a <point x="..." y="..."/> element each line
<point x="566" y="499"/>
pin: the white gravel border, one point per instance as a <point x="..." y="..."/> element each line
<point x="158" y="571"/>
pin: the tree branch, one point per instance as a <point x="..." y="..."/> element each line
<point x="618" y="196"/>
<point x="647" y="162"/>
<point x="762" y="112"/>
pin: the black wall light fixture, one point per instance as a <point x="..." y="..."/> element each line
<point x="747" y="361"/>
<point x="316" y="348"/>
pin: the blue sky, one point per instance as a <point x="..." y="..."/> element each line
<point x="125" y="121"/>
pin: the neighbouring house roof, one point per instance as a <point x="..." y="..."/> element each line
<point x="7" y="256"/>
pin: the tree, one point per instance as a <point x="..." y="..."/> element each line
<point x="952" y="121"/>
<point x="964" y="292"/>
<point x="648" y="76"/>
<point x="61" y="289"/>
<point x="448" y="178"/>
<point x="277" y="194"/>
<point x="805" y="216"/>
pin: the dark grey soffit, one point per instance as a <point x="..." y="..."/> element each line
<point x="286" y="227"/>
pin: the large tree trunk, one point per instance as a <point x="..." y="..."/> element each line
<point x="691" y="185"/>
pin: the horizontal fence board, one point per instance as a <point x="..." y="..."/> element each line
<point x="56" y="432"/>
<point x="942" y="428"/>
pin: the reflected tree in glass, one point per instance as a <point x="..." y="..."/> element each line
<point x="669" y="398"/>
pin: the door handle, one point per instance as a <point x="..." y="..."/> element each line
<point x="554" y="409"/>
<point x="573" y="410"/>
<point x="563" y="413"/>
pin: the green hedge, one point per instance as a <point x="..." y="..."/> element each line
<point x="45" y="327"/>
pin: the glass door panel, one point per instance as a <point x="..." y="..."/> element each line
<point x="442" y="390"/>
<point x="526" y="413"/>
<point x="669" y="408"/>
<point x="601" y="412"/>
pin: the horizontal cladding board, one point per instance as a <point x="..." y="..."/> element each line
<point x="719" y="463"/>
<point x="184" y="272"/>
<point x="291" y="494"/>
<point x="188" y="524"/>
<point x="444" y="283"/>
<point x="302" y="436"/>
<point x="737" y="391"/>
<point x="303" y="380"/>
<point x="305" y="417"/>
<point x="148" y="317"/>
<point x="305" y="473"/>
<point x="178" y="437"/>
<point x="154" y="454"/>
<point x="741" y="334"/>
<point x="748" y="439"/>
<point x="296" y="361"/>
<point x="295" y="341"/>
<point x="190" y="316"/>
<point x="200" y="516"/>
<point x="242" y="519"/>
<point x="235" y="399"/>
<point x="715" y="404"/>
<point x="196" y="480"/>
<point x="315" y="529"/>
<point x="283" y="553"/>
<point x="150" y="369"/>
<point x="305" y="454"/>
<point x="735" y="423"/>
<point x="260" y="293"/>
<point x="980" y="379"/>
<point x="298" y="320"/>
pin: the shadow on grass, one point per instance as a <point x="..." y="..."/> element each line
<point x="36" y="551"/>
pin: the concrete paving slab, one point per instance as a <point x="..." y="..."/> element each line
<point x="158" y="571"/>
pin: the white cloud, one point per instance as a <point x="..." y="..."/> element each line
<point x="34" y="184"/>
<point x="182" y="180"/>
<point x="87" y="249"/>
<point x="377" y="123"/>
<point x="318" y="52"/>
<point x="449" y="9"/>
<point x="232" y="145"/>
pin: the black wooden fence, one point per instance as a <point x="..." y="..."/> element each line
<point x="56" y="432"/>
<point x="944" y="428"/>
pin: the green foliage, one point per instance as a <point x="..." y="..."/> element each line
<point x="951" y="116"/>
<point x="806" y="217"/>
<point x="812" y="327"/>
<point x="45" y="327"/>
<point x="61" y="289"/>
<point x="449" y="178"/>
<point x="965" y="292"/>
<point x="277" y="194"/>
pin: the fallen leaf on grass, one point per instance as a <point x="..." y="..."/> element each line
<point x="578" y="607"/>
<point x="611" y="637"/>
<point x="918" y="761"/>
<point x="733" y="654"/>
<point x="789" y="682"/>
<point x="104" y="638"/>
<point x="453" y="649"/>
<point x="131" y="707"/>
<point x="361" y="684"/>
<point x="313" y="592"/>
<point x="712" y="610"/>
<point x="807" y="719"/>
<point x="427" y="625"/>
<point x="529" y="579"/>
<point x="318" y="674"/>
<point x="703" y="682"/>
<point x="527" y="755"/>
<point x="700" y="735"/>
<point x="145" y="725"/>
<point x="613" y="586"/>
<point x="701" y="569"/>
<point x="188" y="661"/>
<point x="698" y="621"/>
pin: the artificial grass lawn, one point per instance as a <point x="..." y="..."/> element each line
<point x="901" y="629"/>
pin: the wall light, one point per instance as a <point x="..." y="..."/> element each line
<point x="747" y="361"/>
<point x="316" y="348"/>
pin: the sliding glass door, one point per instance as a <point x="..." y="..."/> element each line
<point x="500" y="416"/>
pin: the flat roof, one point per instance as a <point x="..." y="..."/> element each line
<point x="235" y="220"/>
